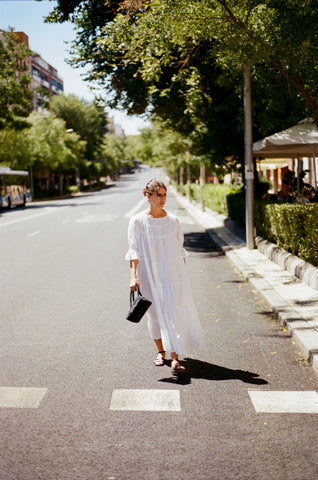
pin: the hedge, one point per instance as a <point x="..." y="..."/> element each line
<point x="293" y="227"/>
<point x="215" y="196"/>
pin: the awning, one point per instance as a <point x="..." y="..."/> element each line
<point x="298" y="141"/>
<point x="273" y="163"/>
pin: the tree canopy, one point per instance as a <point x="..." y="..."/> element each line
<point x="45" y="144"/>
<point x="51" y="146"/>
<point x="182" y="61"/>
<point x="15" y="94"/>
<point x="87" y="119"/>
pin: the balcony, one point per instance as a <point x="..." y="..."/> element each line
<point x="45" y="83"/>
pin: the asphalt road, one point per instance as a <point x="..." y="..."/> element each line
<point x="78" y="389"/>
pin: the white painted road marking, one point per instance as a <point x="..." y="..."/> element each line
<point x="284" y="402"/>
<point x="135" y="209"/>
<point x="30" y="217"/>
<point x="33" y="233"/>
<point x="96" y="218"/>
<point x="21" y="397"/>
<point x="146" y="400"/>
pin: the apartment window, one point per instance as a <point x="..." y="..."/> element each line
<point x="36" y="72"/>
<point x="60" y="87"/>
<point x="53" y="82"/>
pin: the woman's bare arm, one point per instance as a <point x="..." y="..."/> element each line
<point x="133" y="275"/>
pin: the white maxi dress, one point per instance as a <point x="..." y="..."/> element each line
<point x="157" y="243"/>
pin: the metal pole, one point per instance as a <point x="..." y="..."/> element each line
<point x="249" y="169"/>
<point x="298" y="176"/>
<point x="31" y="183"/>
<point x="202" y="182"/>
<point x="189" y="181"/>
<point x="181" y="180"/>
<point x="314" y="168"/>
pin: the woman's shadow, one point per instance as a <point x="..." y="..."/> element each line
<point x="208" y="371"/>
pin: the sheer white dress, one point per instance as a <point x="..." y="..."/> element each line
<point x="157" y="243"/>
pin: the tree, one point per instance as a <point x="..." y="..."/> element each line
<point x="87" y="119"/>
<point x="15" y="94"/>
<point x="275" y="34"/>
<point x="52" y="147"/>
<point x="115" y="154"/>
<point x="159" y="145"/>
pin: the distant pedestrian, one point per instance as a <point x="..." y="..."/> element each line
<point x="157" y="266"/>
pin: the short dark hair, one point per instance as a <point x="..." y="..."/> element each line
<point x="153" y="186"/>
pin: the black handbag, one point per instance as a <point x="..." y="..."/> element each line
<point x="138" y="306"/>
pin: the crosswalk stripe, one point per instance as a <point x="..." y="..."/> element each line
<point x="146" y="400"/>
<point x="284" y="401"/>
<point x="21" y="397"/>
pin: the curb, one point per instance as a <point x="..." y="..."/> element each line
<point x="306" y="272"/>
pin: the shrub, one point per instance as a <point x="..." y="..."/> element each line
<point x="263" y="219"/>
<point x="236" y="207"/>
<point x="294" y="227"/>
<point x="73" y="188"/>
<point x="215" y="196"/>
<point x="287" y="225"/>
<point x="308" y="248"/>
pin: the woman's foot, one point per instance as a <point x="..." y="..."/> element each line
<point x="159" y="361"/>
<point x="176" y="368"/>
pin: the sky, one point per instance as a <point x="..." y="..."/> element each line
<point x="50" y="41"/>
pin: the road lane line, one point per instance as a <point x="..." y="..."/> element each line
<point x="146" y="400"/>
<point x="135" y="209"/>
<point x="97" y="218"/>
<point x="21" y="397"/>
<point x="33" y="233"/>
<point x="284" y="402"/>
<point x="30" y="217"/>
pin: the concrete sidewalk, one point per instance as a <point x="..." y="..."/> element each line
<point x="294" y="302"/>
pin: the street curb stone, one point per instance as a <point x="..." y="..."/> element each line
<point x="288" y="284"/>
<point x="306" y="272"/>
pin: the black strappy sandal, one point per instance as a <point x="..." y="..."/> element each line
<point x="178" y="369"/>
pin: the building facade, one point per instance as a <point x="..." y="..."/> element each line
<point x="45" y="79"/>
<point x="115" y="128"/>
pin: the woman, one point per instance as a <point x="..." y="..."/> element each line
<point x="157" y="267"/>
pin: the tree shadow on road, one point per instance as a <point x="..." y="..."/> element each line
<point x="208" y="371"/>
<point x="201" y="243"/>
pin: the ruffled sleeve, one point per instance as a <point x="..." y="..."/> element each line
<point x="132" y="253"/>
<point x="180" y="238"/>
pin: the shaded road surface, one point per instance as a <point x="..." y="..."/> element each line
<point x="80" y="398"/>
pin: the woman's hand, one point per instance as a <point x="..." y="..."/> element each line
<point x="134" y="283"/>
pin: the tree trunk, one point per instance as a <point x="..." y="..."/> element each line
<point x="61" y="183"/>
